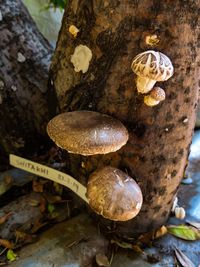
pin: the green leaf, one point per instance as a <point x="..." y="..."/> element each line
<point x="184" y="232"/>
<point x="11" y="256"/>
<point x="51" y="208"/>
<point x="57" y="4"/>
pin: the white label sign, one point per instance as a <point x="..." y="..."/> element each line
<point x="49" y="173"/>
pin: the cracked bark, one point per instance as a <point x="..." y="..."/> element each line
<point x="24" y="61"/>
<point x="157" y="150"/>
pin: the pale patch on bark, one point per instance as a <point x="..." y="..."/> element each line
<point x="81" y="58"/>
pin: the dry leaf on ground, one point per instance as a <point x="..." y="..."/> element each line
<point x="160" y="232"/>
<point x="42" y="204"/>
<point x="22" y="237"/>
<point x="37" y="186"/>
<point x="4" y="218"/>
<point x="183" y="259"/>
<point x="38" y="225"/>
<point x="194" y="224"/>
<point x="102" y="260"/>
<point x="34" y="202"/>
<point x="121" y="244"/>
<point x="6" y="243"/>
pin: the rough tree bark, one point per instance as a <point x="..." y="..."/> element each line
<point x="157" y="150"/>
<point x="24" y="61"/>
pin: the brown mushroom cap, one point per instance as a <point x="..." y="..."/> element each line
<point x="113" y="194"/>
<point x="87" y="132"/>
<point x="158" y="94"/>
<point x="153" y="65"/>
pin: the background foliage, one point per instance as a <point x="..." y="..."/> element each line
<point x="48" y="15"/>
<point x="57" y="3"/>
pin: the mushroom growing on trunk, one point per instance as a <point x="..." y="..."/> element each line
<point x="110" y="192"/>
<point x="87" y="132"/>
<point x="156" y="95"/>
<point x="114" y="194"/>
<point x="150" y="67"/>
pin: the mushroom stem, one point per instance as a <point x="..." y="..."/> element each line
<point x="150" y="101"/>
<point x="144" y="85"/>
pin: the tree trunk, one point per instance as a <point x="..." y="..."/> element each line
<point x="157" y="150"/>
<point x="24" y="61"/>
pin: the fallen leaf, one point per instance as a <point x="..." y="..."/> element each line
<point x="8" y="179"/>
<point x="58" y="188"/>
<point x="194" y="224"/>
<point x="5" y="217"/>
<point x="184" y="232"/>
<point x="2" y="252"/>
<point x="22" y="237"/>
<point x="59" y="215"/>
<point x="42" y="205"/>
<point x="6" y="243"/>
<point x="183" y="259"/>
<point x="34" y="202"/>
<point x="121" y="244"/>
<point x="137" y="249"/>
<point x="77" y="241"/>
<point x="11" y="256"/>
<point x="50" y="208"/>
<point x="102" y="260"/>
<point x="38" y="225"/>
<point x="160" y="232"/>
<point x="146" y="238"/>
<point x="37" y="186"/>
<point x="152" y="258"/>
<point x="55" y="216"/>
<point x="52" y="199"/>
<point x="112" y="255"/>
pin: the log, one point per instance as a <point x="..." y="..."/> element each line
<point x="24" y="61"/>
<point x="23" y="215"/>
<point x="72" y="243"/>
<point x="30" y="213"/>
<point x="14" y="177"/>
<point x="159" y="137"/>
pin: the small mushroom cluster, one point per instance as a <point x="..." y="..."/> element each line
<point x="178" y="211"/>
<point x="150" y="67"/>
<point x="110" y="192"/>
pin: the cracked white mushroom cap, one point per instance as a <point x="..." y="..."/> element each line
<point x="114" y="194"/>
<point x="87" y="132"/>
<point x="151" y="66"/>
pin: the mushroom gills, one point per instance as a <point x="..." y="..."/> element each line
<point x="144" y="84"/>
